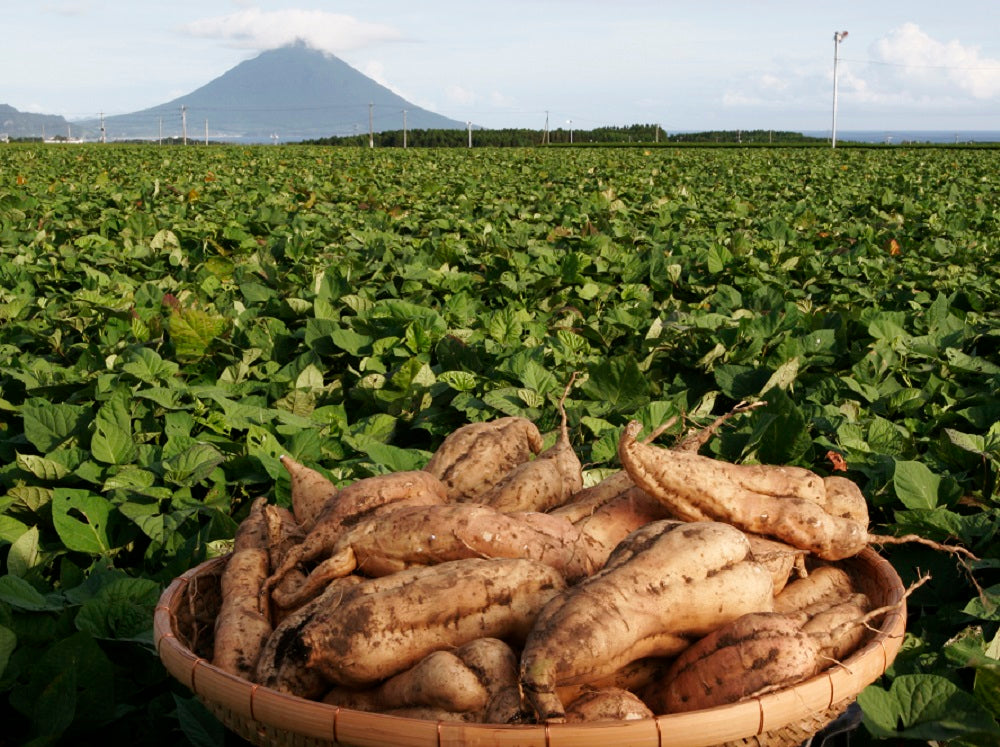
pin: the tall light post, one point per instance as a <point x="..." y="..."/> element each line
<point x="838" y="37"/>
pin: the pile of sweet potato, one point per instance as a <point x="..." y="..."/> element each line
<point x="492" y="586"/>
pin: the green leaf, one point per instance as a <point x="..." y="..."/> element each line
<point x="780" y="434"/>
<point x="72" y="682"/>
<point x="147" y="366"/>
<point x="619" y="383"/>
<point x="192" y="465"/>
<point x="81" y="520"/>
<point x="121" y="610"/>
<point x="8" y="642"/>
<point x="460" y="381"/>
<point x="24" y="553"/>
<point x="113" y="442"/>
<point x="49" y="470"/>
<point x="987" y="606"/>
<point x="193" y="331"/>
<point x="201" y="728"/>
<point x="784" y="377"/>
<point x="20" y="594"/>
<point x="391" y="458"/>
<point x="926" y="707"/>
<point x="47" y="425"/>
<point x="969" y="363"/>
<point x="915" y="485"/>
<point x="351" y="342"/>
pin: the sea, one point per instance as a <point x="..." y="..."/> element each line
<point x="897" y="137"/>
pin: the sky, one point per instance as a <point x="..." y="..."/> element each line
<point x="687" y="66"/>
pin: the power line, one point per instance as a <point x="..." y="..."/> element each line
<point x="929" y="67"/>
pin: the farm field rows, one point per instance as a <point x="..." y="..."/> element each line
<point x="174" y="319"/>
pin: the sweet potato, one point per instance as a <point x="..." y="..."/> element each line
<point x="664" y="586"/>
<point x="242" y="627"/>
<point x="611" y="510"/>
<point x="425" y="535"/>
<point x="494" y="663"/>
<point x="750" y="656"/>
<point x="759" y="653"/>
<point x="439" y="680"/>
<point x="372" y="635"/>
<point x="281" y="665"/>
<point x="824" y="583"/>
<point x="779" y="558"/>
<point x="634" y="676"/>
<point x="362" y="498"/>
<point x="283" y="533"/>
<point x="788" y="503"/>
<point x="607" y="704"/>
<point x="836" y="626"/>
<point x="474" y="457"/>
<point x="546" y="481"/>
<point x="310" y="491"/>
<point x="460" y="681"/>
<point x="412" y="536"/>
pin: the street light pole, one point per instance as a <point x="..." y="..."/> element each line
<point x="838" y="37"/>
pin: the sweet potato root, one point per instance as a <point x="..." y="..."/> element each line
<point x="664" y="586"/>
<point x="825" y="583"/>
<point x="611" y="510"/>
<point x="310" y="491"/>
<point x="439" y="680"/>
<point x="374" y="632"/>
<point x="779" y="558"/>
<point x="412" y="536"/>
<point x="362" y="498"/>
<point x="607" y="704"/>
<point x="759" y="653"/>
<point x="475" y="457"/>
<point x="788" y="503"/>
<point x="546" y="481"/>
<point x="753" y="655"/>
<point x="242" y="627"/>
<point x="460" y="681"/>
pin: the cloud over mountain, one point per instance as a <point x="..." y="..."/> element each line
<point x="320" y="29"/>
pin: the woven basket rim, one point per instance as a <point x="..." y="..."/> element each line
<point x="257" y="707"/>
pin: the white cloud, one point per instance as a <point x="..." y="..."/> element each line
<point x="906" y="71"/>
<point x="257" y="29"/>
<point x="456" y="94"/>
<point x="78" y="8"/>
<point x="910" y="59"/>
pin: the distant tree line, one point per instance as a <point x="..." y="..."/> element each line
<point x="638" y="134"/>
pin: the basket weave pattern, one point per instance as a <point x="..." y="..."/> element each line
<point x="182" y="631"/>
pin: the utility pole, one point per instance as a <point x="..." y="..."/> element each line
<point x="469" y="125"/>
<point x="184" y="124"/>
<point x="104" y="136"/>
<point x="404" y="128"/>
<point x="371" y="128"/>
<point x="545" y="135"/>
<point x="838" y="37"/>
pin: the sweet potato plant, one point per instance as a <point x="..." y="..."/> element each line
<point x="172" y="321"/>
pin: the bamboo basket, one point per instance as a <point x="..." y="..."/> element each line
<point x="183" y="622"/>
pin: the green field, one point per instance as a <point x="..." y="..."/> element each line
<point x="172" y="320"/>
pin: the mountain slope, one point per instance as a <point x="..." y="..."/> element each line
<point x="293" y="93"/>
<point x="14" y="123"/>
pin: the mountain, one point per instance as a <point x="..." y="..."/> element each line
<point x="292" y="93"/>
<point x="14" y="123"/>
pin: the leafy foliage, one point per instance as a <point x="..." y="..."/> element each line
<point x="172" y="320"/>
